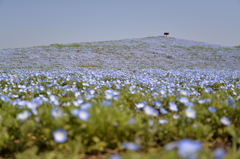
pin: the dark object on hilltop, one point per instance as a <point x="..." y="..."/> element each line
<point x="166" y="33"/>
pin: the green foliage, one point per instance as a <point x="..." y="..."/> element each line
<point x="70" y="45"/>
<point x="196" y="48"/>
<point x="108" y="126"/>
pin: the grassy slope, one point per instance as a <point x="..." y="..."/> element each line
<point x="150" y="52"/>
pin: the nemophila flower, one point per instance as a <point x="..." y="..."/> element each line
<point x="56" y="112"/>
<point x="78" y="102"/>
<point x="74" y="112"/>
<point x="141" y="104"/>
<point x="173" y="107"/>
<point x="92" y="91"/>
<point x="163" y="92"/>
<point x="115" y="157"/>
<point x="150" y="122"/>
<point x="110" y="94"/>
<point x="34" y="103"/>
<point x="150" y="111"/>
<point x="86" y="106"/>
<point x="157" y="104"/>
<point x="60" y="136"/>
<point x="66" y="104"/>
<point x="34" y="111"/>
<point x="155" y="94"/>
<point x="176" y="116"/>
<point x="219" y="153"/>
<point x="83" y="114"/>
<point x="163" y="110"/>
<point x="133" y="92"/>
<point x="77" y="94"/>
<point x="212" y="109"/>
<point x="190" y="113"/>
<point x="23" y="115"/>
<point x="52" y="98"/>
<point x="162" y="121"/>
<point x="183" y="99"/>
<point x="106" y="103"/>
<point x="131" y="121"/>
<point x="4" y="98"/>
<point x="184" y="92"/>
<point x="130" y="146"/>
<point x="89" y="96"/>
<point x="225" y="121"/>
<point x="41" y="88"/>
<point x="21" y="103"/>
<point x="231" y="102"/>
<point x="208" y="90"/>
<point x="189" y="104"/>
<point x="204" y="101"/>
<point x="188" y="148"/>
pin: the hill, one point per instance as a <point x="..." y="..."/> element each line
<point x="150" y="52"/>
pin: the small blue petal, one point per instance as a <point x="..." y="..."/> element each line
<point x="83" y="115"/>
<point x="219" y="153"/>
<point x="130" y="146"/>
<point x="60" y="136"/>
<point x="212" y="109"/>
<point x="225" y="121"/>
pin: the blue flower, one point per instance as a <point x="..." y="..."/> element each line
<point x="130" y="146"/>
<point x="188" y="148"/>
<point x="176" y="116"/>
<point x="115" y="157"/>
<point x="183" y="99"/>
<point x="34" y="103"/>
<point x="225" y="121"/>
<point x="173" y="107"/>
<point x="110" y="94"/>
<point x="106" y="103"/>
<point x="219" y="153"/>
<point x="131" y="121"/>
<point x="78" y="102"/>
<point x="141" y="104"/>
<point x="83" y="114"/>
<point x="150" y="111"/>
<point x="4" y="98"/>
<point x="60" y="136"/>
<point x="230" y="102"/>
<point x="212" y="109"/>
<point x="157" y="104"/>
<point x="163" y="111"/>
<point x="56" y="112"/>
<point x="23" y="115"/>
<point x="190" y="113"/>
<point x="86" y="106"/>
<point x="162" y="121"/>
<point x="184" y="92"/>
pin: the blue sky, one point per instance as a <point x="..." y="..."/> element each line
<point x="25" y="23"/>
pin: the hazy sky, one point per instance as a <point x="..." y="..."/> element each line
<point x="25" y="23"/>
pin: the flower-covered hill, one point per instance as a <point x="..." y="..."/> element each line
<point x="150" y="52"/>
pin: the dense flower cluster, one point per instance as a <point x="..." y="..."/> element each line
<point x="159" y="98"/>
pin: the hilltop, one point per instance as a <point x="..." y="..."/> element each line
<point x="150" y="52"/>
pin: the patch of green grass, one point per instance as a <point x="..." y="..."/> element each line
<point x="68" y="45"/>
<point x="237" y="46"/>
<point x="197" y="48"/>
